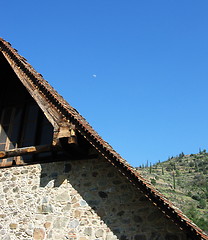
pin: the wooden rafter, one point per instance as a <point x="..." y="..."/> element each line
<point x="27" y="150"/>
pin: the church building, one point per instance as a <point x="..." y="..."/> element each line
<point x="60" y="180"/>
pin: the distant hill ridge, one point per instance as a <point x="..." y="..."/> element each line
<point x="184" y="180"/>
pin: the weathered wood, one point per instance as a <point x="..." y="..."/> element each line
<point x="27" y="150"/>
<point x="51" y="113"/>
<point x="72" y="140"/>
<point x="68" y="132"/>
<point x="64" y="132"/>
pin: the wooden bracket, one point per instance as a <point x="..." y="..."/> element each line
<point x="68" y="132"/>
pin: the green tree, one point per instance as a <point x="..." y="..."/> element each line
<point x="202" y="203"/>
<point x="192" y="213"/>
<point x="150" y="168"/>
<point x="202" y="223"/>
<point x="191" y="164"/>
<point x="153" y="181"/>
<point x="181" y="155"/>
<point x="177" y="173"/>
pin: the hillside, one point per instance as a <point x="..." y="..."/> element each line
<point x="184" y="180"/>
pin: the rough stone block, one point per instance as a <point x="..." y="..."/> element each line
<point x="39" y="234"/>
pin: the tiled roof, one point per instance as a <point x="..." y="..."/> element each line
<point x="68" y="112"/>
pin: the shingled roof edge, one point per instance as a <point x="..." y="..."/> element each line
<point x="102" y="146"/>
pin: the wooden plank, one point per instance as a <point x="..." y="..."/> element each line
<point x="27" y="150"/>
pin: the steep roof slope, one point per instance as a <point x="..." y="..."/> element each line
<point x="34" y="80"/>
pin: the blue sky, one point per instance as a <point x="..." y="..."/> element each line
<point x="136" y="70"/>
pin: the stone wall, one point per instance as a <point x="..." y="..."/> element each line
<point x="82" y="200"/>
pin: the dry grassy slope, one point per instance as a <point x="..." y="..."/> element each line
<point x="184" y="180"/>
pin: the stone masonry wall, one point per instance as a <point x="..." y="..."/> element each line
<point x="82" y="200"/>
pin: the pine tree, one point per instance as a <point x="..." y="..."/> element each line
<point x="147" y="164"/>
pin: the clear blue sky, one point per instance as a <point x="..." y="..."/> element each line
<point x="136" y="70"/>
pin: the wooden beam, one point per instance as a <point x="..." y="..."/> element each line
<point x="27" y="150"/>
